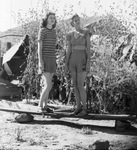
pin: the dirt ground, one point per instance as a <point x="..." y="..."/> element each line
<point x="60" y="134"/>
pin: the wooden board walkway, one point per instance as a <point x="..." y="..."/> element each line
<point x="66" y="114"/>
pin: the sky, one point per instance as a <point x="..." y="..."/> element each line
<point x="8" y="8"/>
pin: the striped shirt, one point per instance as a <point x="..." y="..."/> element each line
<point x="48" y="38"/>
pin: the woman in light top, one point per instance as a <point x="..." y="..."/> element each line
<point x="78" y="62"/>
<point x="47" y="58"/>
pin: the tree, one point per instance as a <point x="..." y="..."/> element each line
<point x="110" y="83"/>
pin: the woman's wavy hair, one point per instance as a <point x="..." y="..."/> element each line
<point x="72" y="19"/>
<point x="45" y="20"/>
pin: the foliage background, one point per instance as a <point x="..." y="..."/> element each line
<point x="112" y="86"/>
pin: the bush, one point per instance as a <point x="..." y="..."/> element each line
<point x="112" y="86"/>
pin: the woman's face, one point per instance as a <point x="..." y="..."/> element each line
<point x="51" y="19"/>
<point x="76" y="21"/>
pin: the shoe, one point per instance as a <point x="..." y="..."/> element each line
<point x="40" y="109"/>
<point x="82" y="113"/>
<point x="76" y="112"/>
<point x="48" y="110"/>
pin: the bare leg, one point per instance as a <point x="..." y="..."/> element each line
<point x="83" y="96"/>
<point x="78" y="101"/>
<point x="46" y="90"/>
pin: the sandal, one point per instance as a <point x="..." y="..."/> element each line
<point x="82" y="113"/>
<point x="48" y="110"/>
<point x="77" y="111"/>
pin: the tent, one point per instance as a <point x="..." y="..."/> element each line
<point x="15" y="59"/>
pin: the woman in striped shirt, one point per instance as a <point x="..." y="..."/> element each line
<point x="47" y="58"/>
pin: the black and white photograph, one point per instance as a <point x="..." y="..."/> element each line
<point x="68" y="74"/>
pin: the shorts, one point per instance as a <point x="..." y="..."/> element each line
<point x="49" y="64"/>
<point x="78" y="61"/>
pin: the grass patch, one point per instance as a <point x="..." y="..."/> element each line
<point x="87" y="131"/>
<point x="3" y="147"/>
<point x="18" y="135"/>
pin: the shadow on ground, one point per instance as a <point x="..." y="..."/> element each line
<point x="111" y="130"/>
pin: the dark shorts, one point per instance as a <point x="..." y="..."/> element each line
<point x="78" y="61"/>
<point x="49" y="64"/>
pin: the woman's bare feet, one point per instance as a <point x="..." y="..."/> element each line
<point x="83" y="113"/>
<point x="77" y="111"/>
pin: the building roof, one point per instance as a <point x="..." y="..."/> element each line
<point x="17" y="31"/>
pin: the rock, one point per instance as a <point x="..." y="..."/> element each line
<point x="121" y="125"/>
<point x="24" y="118"/>
<point x="99" y="145"/>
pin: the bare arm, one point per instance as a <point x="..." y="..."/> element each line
<point x="40" y="64"/>
<point x="40" y="51"/>
<point x="88" y="53"/>
<point x="68" y="54"/>
<point x="88" y="47"/>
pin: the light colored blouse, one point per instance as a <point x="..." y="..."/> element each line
<point x="78" y="39"/>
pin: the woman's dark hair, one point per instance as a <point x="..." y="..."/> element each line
<point x="45" y="20"/>
<point x="72" y="18"/>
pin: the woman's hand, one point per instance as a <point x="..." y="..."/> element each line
<point x="41" y="67"/>
<point x="88" y="66"/>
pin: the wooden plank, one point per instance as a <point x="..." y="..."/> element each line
<point x="112" y="117"/>
<point x="23" y="105"/>
<point x="65" y="114"/>
<point x="19" y="111"/>
<point x="5" y="82"/>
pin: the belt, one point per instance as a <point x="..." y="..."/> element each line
<point x="79" y="47"/>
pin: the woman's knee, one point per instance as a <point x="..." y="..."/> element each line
<point x="81" y="80"/>
<point x="48" y="80"/>
<point x="80" y="85"/>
